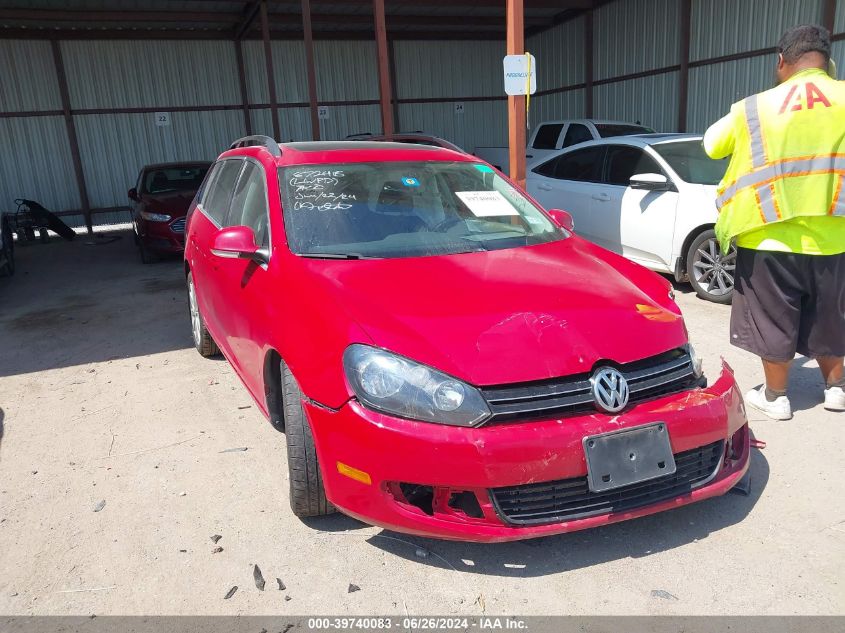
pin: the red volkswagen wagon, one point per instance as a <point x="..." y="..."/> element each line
<point x="445" y="357"/>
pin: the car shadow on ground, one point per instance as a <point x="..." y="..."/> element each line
<point x="637" y="538"/>
<point x="88" y="301"/>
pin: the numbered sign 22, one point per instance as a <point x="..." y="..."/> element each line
<point x="459" y="107"/>
<point x="162" y="119"/>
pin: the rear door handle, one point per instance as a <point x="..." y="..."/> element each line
<point x="602" y="197"/>
<point x="544" y="186"/>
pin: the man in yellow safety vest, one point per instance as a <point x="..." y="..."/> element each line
<point x="782" y="199"/>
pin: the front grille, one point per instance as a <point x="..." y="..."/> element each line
<point x="178" y="226"/>
<point x="650" y="378"/>
<point x="570" y="499"/>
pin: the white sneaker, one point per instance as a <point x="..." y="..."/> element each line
<point x="834" y="399"/>
<point x="780" y="409"/>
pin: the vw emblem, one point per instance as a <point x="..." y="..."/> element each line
<point x="610" y="389"/>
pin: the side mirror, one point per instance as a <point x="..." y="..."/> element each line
<point x="238" y="242"/>
<point x="133" y="194"/>
<point x="650" y="182"/>
<point x="562" y="218"/>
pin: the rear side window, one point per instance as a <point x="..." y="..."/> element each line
<point x="624" y="162"/>
<point x="582" y="165"/>
<point x="606" y="130"/>
<point x="216" y="200"/>
<point x="547" y="136"/>
<point x="576" y="133"/>
<point x="249" y="205"/>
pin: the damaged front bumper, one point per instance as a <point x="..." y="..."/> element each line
<point x="468" y="484"/>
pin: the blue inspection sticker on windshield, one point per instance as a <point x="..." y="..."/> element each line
<point x="408" y="181"/>
<point x="485" y="168"/>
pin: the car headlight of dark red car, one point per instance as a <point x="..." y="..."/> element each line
<point x="155" y="217"/>
<point x="399" y="386"/>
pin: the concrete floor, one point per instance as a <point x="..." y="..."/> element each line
<point x="103" y="398"/>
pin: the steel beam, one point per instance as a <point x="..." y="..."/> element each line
<point x="383" y="55"/>
<point x="271" y="76"/>
<point x="683" y="76"/>
<point x="310" y="70"/>
<point x="239" y="56"/>
<point x="516" y="104"/>
<point x="71" y="135"/>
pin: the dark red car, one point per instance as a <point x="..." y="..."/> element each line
<point x="445" y="357"/>
<point x="159" y="203"/>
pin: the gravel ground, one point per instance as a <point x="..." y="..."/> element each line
<point x="115" y="474"/>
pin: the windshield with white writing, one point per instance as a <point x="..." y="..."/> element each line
<point x="406" y="209"/>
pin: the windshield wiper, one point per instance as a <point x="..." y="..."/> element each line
<point x="336" y="256"/>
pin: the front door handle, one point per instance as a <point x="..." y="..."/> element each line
<point x="543" y="186"/>
<point x="601" y="197"/>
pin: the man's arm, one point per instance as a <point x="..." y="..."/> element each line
<point x="719" y="138"/>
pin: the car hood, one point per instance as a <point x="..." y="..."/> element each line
<point x="511" y="315"/>
<point x="173" y="203"/>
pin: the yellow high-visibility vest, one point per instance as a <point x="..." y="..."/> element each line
<point x="787" y="148"/>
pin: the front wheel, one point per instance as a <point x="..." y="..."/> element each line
<point x="202" y="339"/>
<point x="307" y="495"/>
<point x="711" y="272"/>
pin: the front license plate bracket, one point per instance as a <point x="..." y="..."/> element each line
<point x="626" y="457"/>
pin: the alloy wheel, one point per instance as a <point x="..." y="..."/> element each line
<point x="714" y="270"/>
<point x="196" y="323"/>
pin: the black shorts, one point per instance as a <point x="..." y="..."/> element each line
<point x="785" y="303"/>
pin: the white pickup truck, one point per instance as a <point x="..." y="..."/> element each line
<point x="554" y="135"/>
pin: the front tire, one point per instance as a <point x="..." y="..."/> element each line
<point x="710" y="271"/>
<point x="147" y="256"/>
<point x="307" y="494"/>
<point x="202" y="339"/>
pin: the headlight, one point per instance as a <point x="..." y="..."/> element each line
<point x="155" y="217"/>
<point x="393" y="384"/>
<point x="697" y="364"/>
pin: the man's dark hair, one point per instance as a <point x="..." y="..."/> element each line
<point x="800" y="40"/>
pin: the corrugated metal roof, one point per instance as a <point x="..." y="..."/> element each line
<point x="346" y="70"/>
<point x="635" y="35"/>
<point x="561" y="105"/>
<point x="725" y="27"/>
<point x="28" y="77"/>
<point x="119" y="74"/>
<point x="114" y="147"/>
<point x="712" y="89"/>
<point x="36" y="163"/>
<point x="560" y="55"/>
<point x="475" y="69"/>
<point x="482" y="122"/>
<point x="653" y="101"/>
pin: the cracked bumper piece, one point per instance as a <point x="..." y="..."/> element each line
<point x="522" y="479"/>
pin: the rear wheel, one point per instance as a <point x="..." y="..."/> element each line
<point x="307" y="495"/>
<point x="7" y="256"/>
<point x="711" y="272"/>
<point x="202" y="339"/>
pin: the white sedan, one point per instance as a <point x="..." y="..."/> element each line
<point x="650" y="197"/>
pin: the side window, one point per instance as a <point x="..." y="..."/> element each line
<point x="548" y="168"/>
<point x="249" y="206"/>
<point x="216" y="200"/>
<point x="625" y="161"/>
<point x="547" y="136"/>
<point x="582" y="165"/>
<point x="576" y="133"/>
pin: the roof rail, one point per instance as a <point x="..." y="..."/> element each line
<point x="258" y="140"/>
